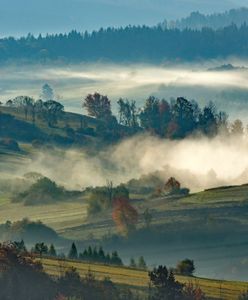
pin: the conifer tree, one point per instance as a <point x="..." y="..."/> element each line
<point x="133" y="263"/>
<point x="115" y="259"/>
<point x="73" y="254"/>
<point x="142" y="264"/>
<point x="90" y="253"/>
<point x="52" y="251"/>
<point x="108" y="258"/>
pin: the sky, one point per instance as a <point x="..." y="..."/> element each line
<point x="20" y="17"/>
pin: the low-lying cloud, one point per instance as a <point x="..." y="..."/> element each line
<point x="199" y="163"/>
<point x="136" y="81"/>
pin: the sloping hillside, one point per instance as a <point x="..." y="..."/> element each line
<point x="134" y="278"/>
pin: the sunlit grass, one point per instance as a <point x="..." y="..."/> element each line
<point x="137" y="278"/>
<point x="59" y="216"/>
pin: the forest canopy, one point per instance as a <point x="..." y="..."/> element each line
<point x="151" y="44"/>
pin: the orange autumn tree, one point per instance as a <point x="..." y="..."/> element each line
<point x="124" y="215"/>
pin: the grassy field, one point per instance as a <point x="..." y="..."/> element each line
<point x="71" y="119"/>
<point x="70" y="218"/>
<point x="137" y="278"/>
<point x="59" y="216"/>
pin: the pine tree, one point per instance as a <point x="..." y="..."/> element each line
<point x="142" y="264"/>
<point x="52" y="252"/>
<point x="115" y="259"/>
<point x="73" y="254"/>
<point x="85" y="254"/>
<point x="95" y="254"/>
<point x="107" y="259"/>
<point x="90" y="253"/>
<point x="101" y="255"/>
<point x="40" y="248"/>
<point x="133" y="263"/>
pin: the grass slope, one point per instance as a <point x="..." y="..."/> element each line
<point x="59" y="216"/>
<point x="139" y="279"/>
<point x="70" y="220"/>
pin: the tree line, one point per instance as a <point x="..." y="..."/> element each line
<point x="48" y="110"/>
<point x="23" y="277"/>
<point x="147" y="44"/>
<point x="174" y="119"/>
<point x="90" y="254"/>
<point x="197" y="20"/>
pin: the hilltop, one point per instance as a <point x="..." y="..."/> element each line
<point x="71" y="128"/>
<point x="197" y="20"/>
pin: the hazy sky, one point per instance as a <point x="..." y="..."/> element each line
<point x="18" y="17"/>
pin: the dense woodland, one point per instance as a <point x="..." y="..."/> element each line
<point x="132" y="43"/>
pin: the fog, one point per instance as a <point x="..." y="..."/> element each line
<point x="73" y="82"/>
<point x="198" y="163"/>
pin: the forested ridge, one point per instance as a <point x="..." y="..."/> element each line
<point x="132" y="43"/>
<point x="198" y="20"/>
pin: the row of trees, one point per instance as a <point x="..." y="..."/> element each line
<point x="95" y="255"/>
<point x="140" y="264"/>
<point x="22" y="278"/>
<point x="175" y="119"/>
<point x="47" y="110"/>
<point x="197" y="20"/>
<point x="172" y="119"/>
<point x="147" y="44"/>
<point x="185" y="267"/>
<point x="91" y="254"/>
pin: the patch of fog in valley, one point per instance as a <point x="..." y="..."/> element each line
<point x="198" y="163"/>
<point x="228" y="88"/>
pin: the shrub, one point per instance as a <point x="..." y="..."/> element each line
<point x="42" y="192"/>
<point x="186" y="267"/>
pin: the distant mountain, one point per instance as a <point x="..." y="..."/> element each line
<point x="197" y="20"/>
<point x="54" y="16"/>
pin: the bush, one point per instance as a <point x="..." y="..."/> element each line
<point x="42" y="192"/>
<point x="101" y="198"/>
<point x="186" y="267"/>
<point x="28" y="230"/>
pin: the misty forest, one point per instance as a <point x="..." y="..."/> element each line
<point x="123" y="152"/>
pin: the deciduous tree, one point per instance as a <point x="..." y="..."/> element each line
<point x="124" y="215"/>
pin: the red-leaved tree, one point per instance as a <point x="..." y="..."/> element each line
<point x="124" y="215"/>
